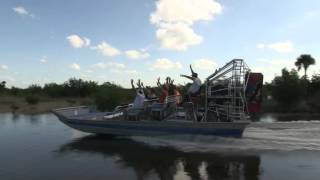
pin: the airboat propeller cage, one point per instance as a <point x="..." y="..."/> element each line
<point x="226" y="93"/>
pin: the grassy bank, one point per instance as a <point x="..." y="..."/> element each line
<point x="45" y="104"/>
<point x="74" y="92"/>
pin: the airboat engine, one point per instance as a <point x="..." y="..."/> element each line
<point x="233" y="93"/>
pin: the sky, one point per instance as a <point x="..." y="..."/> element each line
<point x="119" y="40"/>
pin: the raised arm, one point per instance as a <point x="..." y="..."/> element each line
<point x="132" y="85"/>
<point x="139" y="83"/>
<point x="158" y="82"/>
<point x="142" y="86"/>
<point x="168" y="80"/>
<point x="191" y="69"/>
<point x="189" y="77"/>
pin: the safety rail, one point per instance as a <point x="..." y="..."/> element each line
<point x="225" y="92"/>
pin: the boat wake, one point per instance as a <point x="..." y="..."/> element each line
<point x="282" y="136"/>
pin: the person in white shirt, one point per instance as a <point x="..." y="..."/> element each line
<point x="138" y="102"/>
<point x="195" y="88"/>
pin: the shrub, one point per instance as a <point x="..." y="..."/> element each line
<point x="288" y="89"/>
<point x="34" y="88"/>
<point x="16" y="91"/>
<point x="31" y="99"/>
<point x="53" y="90"/>
<point x="107" y="101"/>
<point x="79" y="88"/>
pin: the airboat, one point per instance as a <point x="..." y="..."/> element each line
<point x="231" y="95"/>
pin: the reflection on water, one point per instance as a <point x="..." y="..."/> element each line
<point x="40" y="147"/>
<point x="34" y="120"/>
<point x="166" y="162"/>
<point x="15" y="118"/>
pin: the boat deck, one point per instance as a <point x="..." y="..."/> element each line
<point x="100" y="116"/>
<point x="84" y="113"/>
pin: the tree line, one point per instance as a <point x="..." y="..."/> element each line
<point x="285" y="93"/>
<point x="290" y="93"/>
<point x="106" y="95"/>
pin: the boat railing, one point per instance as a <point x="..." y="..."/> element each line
<point x="163" y="110"/>
<point x="225" y="91"/>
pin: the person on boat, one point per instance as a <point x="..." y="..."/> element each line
<point x="169" y="83"/>
<point x="174" y="90"/>
<point x="164" y="91"/>
<point x="194" y="89"/>
<point x="177" y="94"/>
<point x="151" y="93"/>
<point x="138" y="102"/>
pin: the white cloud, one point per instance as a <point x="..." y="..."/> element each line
<point x="75" y="66"/>
<point x="22" y="11"/>
<point x="178" y="36"/>
<point x="115" y="68"/>
<point x="44" y="59"/>
<point x="132" y="72"/>
<point x="205" y="64"/>
<point x="166" y="64"/>
<point x="84" y="76"/>
<point x="282" y="47"/>
<point x="186" y="11"/>
<point x="134" y="54"/>
<point x="102" y="65"/>
<point x="126" y="72"/>
<point x="77" y="41"/>
<point x="86" y="41"/>
<point x="311" y="14"/>
<point x="278" y="62"/>
<point x="3" y="67"/>
<point x="174" y="20"/>
<point x="106" y="49"/>
<point x="260" y="46"/>
<point x="115" y="71"/>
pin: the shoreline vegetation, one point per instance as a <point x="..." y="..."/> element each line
<point x="286" y="94"/>
<point x="74" y="92"/>
<point x="18" y="105"/>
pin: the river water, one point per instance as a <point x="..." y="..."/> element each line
<point x="41" y="147"/>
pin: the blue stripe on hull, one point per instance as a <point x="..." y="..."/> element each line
<point x="172" y="130"/>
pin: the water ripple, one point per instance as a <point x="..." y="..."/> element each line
<point x="282" y="136"/>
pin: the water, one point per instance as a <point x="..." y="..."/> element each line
<point x="40" y="147"/>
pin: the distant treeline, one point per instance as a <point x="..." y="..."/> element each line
<point x="285" y="93"/>
<point x="106" y="95"/>
<point x="71" y="88"/>
<point x="290" y="93"/>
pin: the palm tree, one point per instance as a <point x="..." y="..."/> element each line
<point x="304" y="60"/>
<point x="3" y="84"/>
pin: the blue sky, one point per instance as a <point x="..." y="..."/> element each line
<point x="100" y="40"/>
